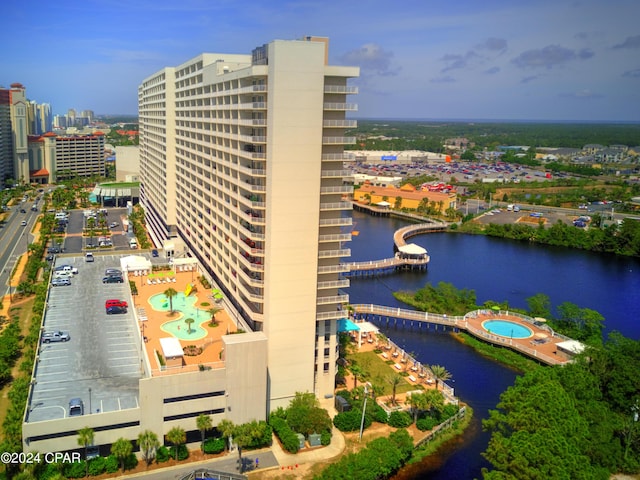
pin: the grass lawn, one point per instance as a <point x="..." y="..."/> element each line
<point x="377" y="371"/>
<point x="120" y="184"/>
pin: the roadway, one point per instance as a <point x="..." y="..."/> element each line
<point x="14" y="242"/>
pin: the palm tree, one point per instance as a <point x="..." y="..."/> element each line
<point x="177" y="436"/>
<point x="212" y="311"/>
<point x="189" y="321"/>
<point x="440" y="374"/>
<point x="394" y="380"/>
<point x="170" y="293"/>
<point x="121" y="449"/>
<point x="358" y="374"/>
<point x="148" y="443"/>
<point x="85" y="438"/>
<point x="226" y="429"/>
<point x="203" y="422"/>
<point x="398" y="202"/>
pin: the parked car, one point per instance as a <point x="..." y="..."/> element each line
<point x="113" y="302"/>
<point x="60" y="281"/>
<point x="56" y="336"/>
<point x="24" y="223"/>
<point x="154" y="253"/>
<point x="116" y="310"/>
<point x="66" y="268"/>
<point x="53" y="250"/>
<point x="88" y="257"/>
<point x="22" y="210"/>
<point x="76" y="407"/>
<point x="113" y="271"/>
<point x="62" y="274"/>
<point x="113" y="224"/>
<point x="112" y="279"/>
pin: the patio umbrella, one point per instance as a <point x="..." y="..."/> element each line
<point x="541" y="335"/>
<point x="496" y="308"/>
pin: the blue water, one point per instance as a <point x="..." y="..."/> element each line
<point x="506" y="329"/>
<point x="185" y="306"/>
<point x="499" y="270"/>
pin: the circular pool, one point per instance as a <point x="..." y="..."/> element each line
<point x="504" y="328"/>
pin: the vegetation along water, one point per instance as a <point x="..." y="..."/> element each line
<point x="499" y="270"/>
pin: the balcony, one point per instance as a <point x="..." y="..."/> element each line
<point x="336" y="222"/>
<point x="340" y="123"/>
<point x="342" y="252"/>
<point x="338" y="157"/>
<point x="327" y="207"/>
<point x="335" y="173"/>
<point x="334" y="315"/>
<point x="338" y="237"/>
<point x="333" y="299"/>
<point x="341" y="89"/>
<point x="342" y="268"/>
<point x="343" y="283"/>
<point x="342" y="189"/>
<point x="345" y="107"/>
<point x="338" y="140"/>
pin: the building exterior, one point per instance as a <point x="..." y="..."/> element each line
<point x="409" y="197"/>
<point x="6" y="137"/>
<point x="54" y="157"/>
<point x="406" y="157"/>
<point x="241" y="161"/>
<point x="128" y="163"/>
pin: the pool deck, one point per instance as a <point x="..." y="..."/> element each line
<point x="540" y="342"/>
<point x="151" y="327"/>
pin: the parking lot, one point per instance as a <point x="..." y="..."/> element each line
<point x="101" y="363"/>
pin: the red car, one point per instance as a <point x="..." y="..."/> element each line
<point x="115" y="303"/>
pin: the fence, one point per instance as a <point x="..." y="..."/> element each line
<point x="442" y="427"/>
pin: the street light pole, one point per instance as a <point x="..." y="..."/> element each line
<point x="364" y="409"/>
<point x="90" y="411"/>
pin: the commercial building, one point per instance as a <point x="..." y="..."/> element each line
<point x="241" y="166"/>
<point x="55" y="157"/>
<point x="406" y="196"/>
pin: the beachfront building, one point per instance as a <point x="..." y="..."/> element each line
<point x="241" y="161"/>
<point x="57" y="157"/>
<point x="406" y="196"/>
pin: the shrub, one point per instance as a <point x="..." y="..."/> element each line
<point x="75" y="469"/>
<point x="325" y="438"/>
<point x="162" y="454"/>
<point x="350" y="421"/>
<point x="214" y="445"/>
<point x="287" y="436"/>
<point x="131" y="461"/>
<point x="378" y="414"/>
<point x="111" y="464"/>
<point x="399" y="419"/>
<point x="426" y="423"/>
<point x="97" y="466"/>
<point x="183" y="452"/>
<point x="449" y="411"/>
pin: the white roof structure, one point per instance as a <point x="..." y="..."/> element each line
<point x="171" y="347"/>
<point x="383" y="204"/>
<point x="412" y="249"/>
<point x="132" y="263"/>
<point x="571" y="346"/>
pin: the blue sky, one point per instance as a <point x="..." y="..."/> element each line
<point x="428" y="59"/>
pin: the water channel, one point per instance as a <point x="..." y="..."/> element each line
<point x="498" y="270"/>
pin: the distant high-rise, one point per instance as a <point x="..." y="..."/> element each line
<point x="241" y="158"/>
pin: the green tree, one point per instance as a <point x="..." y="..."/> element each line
<point x="394" y="380"/>
<point x="539" y="305"/>
<point x="226" y="429"/>
<point x="85" y="438"/>
<point x="213" y="311"/>
<point x="203" y="422"/>
<point x="398" y="202"/>
<point x="121" y="449"/>
<point x="177" y="436"/>
<point x="149" y="444"/>
<point x="170" y="293"/>
<point x="440" y="374"/>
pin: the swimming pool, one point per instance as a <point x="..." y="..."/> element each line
<point x="504" y="328"/>
<point x="184" y="308"/>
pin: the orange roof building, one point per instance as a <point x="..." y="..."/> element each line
<point x="407" y="196"/>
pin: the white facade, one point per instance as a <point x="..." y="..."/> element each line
<point x="241" y="157"/>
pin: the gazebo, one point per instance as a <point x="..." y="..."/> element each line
<point x="411" y="250"/>
<point x="135" y="263"/>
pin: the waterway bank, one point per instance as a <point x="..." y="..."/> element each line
<point x="496" y="269"/>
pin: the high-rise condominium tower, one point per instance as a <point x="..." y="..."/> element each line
<point x="241" y="160"/>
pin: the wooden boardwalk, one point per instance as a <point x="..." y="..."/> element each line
<point x="541" y="345"/>
<point x="399" y="261"/>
